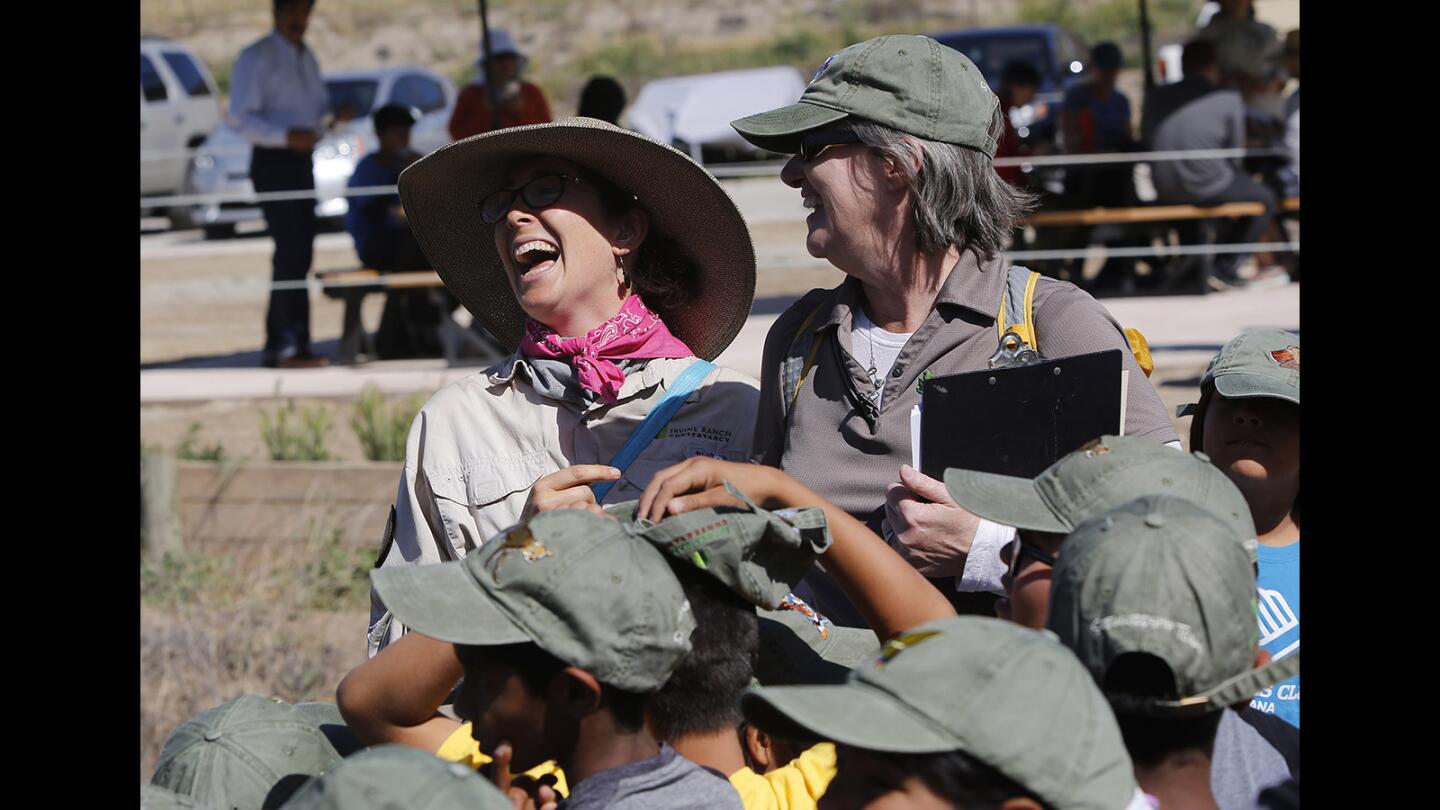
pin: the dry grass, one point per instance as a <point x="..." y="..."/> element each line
<point x="289" y="623"/>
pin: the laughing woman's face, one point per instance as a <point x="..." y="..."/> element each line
<point x="562" y="258"/>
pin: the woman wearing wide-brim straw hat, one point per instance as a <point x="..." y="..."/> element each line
<point x="611" y="264"/>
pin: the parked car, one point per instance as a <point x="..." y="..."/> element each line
<point x="693" y="113"/>
<point x="1054" y="53"/>
<point x="179" y="107"/>
<point x="222" y="165"/>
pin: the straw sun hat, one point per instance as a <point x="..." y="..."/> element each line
<point x="442" y="191"/>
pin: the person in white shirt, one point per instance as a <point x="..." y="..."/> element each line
<point x="278" y="103"/>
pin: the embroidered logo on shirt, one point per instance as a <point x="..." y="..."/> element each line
<point x="1288" y="357"/>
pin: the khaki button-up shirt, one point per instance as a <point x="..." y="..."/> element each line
<point x="479" y="444"/>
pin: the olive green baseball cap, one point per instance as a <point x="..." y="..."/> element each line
<point x="909" y="83"/>
<point x="581" y="586"/>
<point x="327" y="718"/>
<point x="396" y="776"/>
<point x="1162" y="576"/>
<point x="758" y="554"/>
<point x="154" y="797"/>
<point x="1255" y="363"/>
<point x="1009" y="696"/>
<point x="1099" y="476"/>
<point x="799" y="644"/>
<point x="251" y="752"/>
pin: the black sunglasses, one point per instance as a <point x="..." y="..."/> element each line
<point x="540" y="192"/>
<point x="1023" y="549"/>
<point x="813" y="143"/>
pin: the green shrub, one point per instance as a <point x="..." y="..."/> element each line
<point x="182" y="578"/>
<point x="382" y="427"/>
<point x="296" y="436"/>
<point x="190" y="450"/>
<point x="334" y="576"/>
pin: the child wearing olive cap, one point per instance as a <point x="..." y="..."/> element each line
<point x="1248" y="422"/>
<point x="1153" y="597"/>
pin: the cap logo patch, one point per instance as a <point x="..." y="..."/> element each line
<point x="1288" y="357"/>
<point x="522" y="540"/>
<point x="1094" y="448"/>
<point x="899" y="644"/>
<point x="1181" y="631"/>
<point x="795" y="603"/>
<point x="822" y="67"/>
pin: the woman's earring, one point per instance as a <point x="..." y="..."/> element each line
<point x="620" y="265"/>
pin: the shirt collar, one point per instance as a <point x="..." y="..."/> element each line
<point x="974" y="283"/>
<point x="652" y="373"/>
<point x="282" y="41"/>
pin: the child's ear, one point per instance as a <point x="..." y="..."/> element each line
<point x="579" y="692"/>
<point x="757" y="749"/>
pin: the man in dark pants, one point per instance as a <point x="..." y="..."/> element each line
<point x="278" y="102"/>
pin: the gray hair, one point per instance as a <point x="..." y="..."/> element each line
<point x="959" y="199"/>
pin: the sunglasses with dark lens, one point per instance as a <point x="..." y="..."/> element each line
<point x="1025" y="549"/>
<point x="540" y="192"/>
<point x="813" y="143"/>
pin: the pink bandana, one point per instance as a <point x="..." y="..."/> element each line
<point x="635" y="332"/>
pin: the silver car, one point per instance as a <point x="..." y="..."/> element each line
<point x="222" y="164"/>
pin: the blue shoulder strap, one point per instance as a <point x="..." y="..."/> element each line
<point x="658" y="417"/>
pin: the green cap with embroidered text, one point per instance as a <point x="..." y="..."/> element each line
<point x="581" y="586"/>
<point x="1162" y="576"/>
<point x="1101" y="475"/>
<point x="760" y="555"/>
<point x="251" y="752"/>
<point x="1008" y="696"/>
<point x="396" y="776"/>
<point x="1255" y="363"/>
<point x="908" y="83"/>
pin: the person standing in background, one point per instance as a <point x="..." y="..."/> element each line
<point x="278" y="103"/>
<point x="520" y="101"/>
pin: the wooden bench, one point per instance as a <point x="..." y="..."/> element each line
<point x="1148" y="213"/>
<point x="1154" y="214"/>
<point x="351" y="286"/>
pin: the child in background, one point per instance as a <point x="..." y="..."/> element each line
<point x="1248" y="422"/>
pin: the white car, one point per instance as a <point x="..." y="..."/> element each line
<point x="693" y="113"/>
<point x="179" y="107"/>
<point x="222" y="165"/>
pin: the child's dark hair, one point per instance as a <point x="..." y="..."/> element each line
<point x="703" y="693"/>
<point x="1020" y="74"/>
<point x="392" y="116"/>
<point x="959" y="778"/>
<point x="1134" y="679"/>
<point x="535" y="667"/>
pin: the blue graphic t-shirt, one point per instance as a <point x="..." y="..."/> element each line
<point x="1278" y="611"/>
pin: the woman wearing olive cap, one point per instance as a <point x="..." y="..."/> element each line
<point x="893" y="142"/>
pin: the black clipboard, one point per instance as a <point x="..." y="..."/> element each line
<point x="1020" y="420"/>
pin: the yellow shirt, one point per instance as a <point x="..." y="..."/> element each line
<point x="461" y="747"/>
<point x="796" y="786"/>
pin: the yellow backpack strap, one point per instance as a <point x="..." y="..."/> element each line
<point x="1141" y="349"/>
<point x="1017" y="306"/>
<point x="790" y="380"/>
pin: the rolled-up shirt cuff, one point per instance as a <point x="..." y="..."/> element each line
<point x="983" y="566"/>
